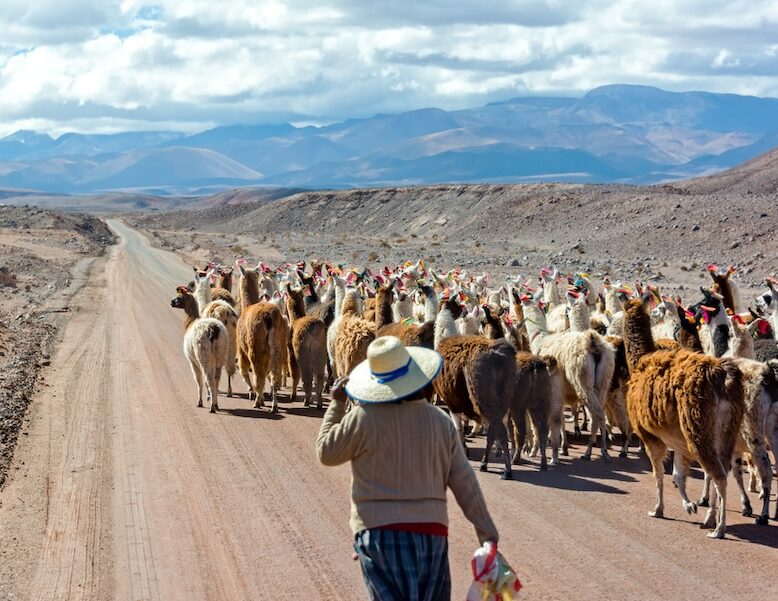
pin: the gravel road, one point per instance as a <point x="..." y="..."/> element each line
<point x="122" y="489"/>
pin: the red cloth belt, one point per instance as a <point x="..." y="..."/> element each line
<point x="432" y="528"/>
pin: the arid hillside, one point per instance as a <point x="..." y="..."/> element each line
<point x="662" y="233"/>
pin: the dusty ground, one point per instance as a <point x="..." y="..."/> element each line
<point x="126" y="490"/>
<point x="44" y="256"/>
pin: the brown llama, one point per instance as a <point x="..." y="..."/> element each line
<point x="259" y="335"/>
<point x="477" y="380"/>
<point x="307" y="348"/>
<point x="685" y="401"/>
<point x="538" y="394"/>
<point x="225" y="295"/>
<point x="353" y="336"/>
<point x="411" y="334"/>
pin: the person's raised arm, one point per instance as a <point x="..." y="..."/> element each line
<point x="337" y="441"/>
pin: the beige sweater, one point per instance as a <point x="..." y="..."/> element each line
<point x="403" y="457"/>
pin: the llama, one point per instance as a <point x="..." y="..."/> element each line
<point x="667" y="322"/>
<point x="726" y="287"/>
<point x="615" y="401"/>
<point x="685" y="401"/>
<point x="332" y="331"/>
<point x="226" y="314"/>
<point x="587" y="363"/>
<point x="257" y="337"/>
<point x="772" y="284"/>
<point x="353" y="336"/>
<point x="403" y="306"/>
<point x="307" y="349"/>
<point x="205" y="346"/>
<point x="470" y="322"/>
<point x="445" y="323"/>
<point x="538" y="394"/>
<point x="411" y="334"/>
<point x="203" y="281"/>
<point x="714" y="337"/>
<point x="759" y="427"/>
<point x="477" y="380"/>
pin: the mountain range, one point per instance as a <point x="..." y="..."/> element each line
<point x="617" y="133"/>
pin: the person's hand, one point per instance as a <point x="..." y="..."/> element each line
<point x="339" y="390"/>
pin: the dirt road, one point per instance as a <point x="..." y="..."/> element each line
<point x="123" y="489"/>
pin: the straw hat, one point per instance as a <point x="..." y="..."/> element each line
<point x="392" y="371"/>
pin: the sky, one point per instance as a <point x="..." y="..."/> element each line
<point x="99" y="66"/>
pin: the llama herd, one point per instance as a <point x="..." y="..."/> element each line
<point x="700" y="380"/>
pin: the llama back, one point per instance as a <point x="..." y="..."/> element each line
<point x="711" y="421"/>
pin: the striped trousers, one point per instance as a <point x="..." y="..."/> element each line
<point x="404" y="566"/>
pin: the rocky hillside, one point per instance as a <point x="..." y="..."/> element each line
<point x="664" y="232"/>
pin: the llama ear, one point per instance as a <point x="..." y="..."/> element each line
<point x="242" y="270"/>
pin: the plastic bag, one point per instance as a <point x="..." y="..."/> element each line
<point x="493" y="578"/>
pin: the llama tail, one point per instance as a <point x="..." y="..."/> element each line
<point x="270" y="331"/>
<point x="213" y="331"/>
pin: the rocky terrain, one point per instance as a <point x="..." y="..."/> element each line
<point x="665" y="234"/>
<point x="44" y="257"/>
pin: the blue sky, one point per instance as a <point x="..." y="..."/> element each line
<point x="112" y="65"/>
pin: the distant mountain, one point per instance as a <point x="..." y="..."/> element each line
<point x="616" y="133"/>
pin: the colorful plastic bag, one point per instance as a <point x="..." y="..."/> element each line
<point x="493" y="578"/>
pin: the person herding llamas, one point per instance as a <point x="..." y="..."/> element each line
<point x="404" y="454"/>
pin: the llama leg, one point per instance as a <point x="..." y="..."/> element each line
<point x="519" y="435"/>
<point x="275" y="379"/>
<point x="752" y="473"/>
<point x="502" y="437"/>
<point x="541" y="428"/>
<point x="229" y="383"/>
<point x="488" y="449"/>
<point x="585" y="424"/>
<point x="626" y="435"/>
<point x="760" y="463"/>
<point x="720" y="497"/>
<point x="555" y="430"/>
<point x="533" y="451"/>
<point x="457" y="419"/>
<point x="307" y="377"/>
<point x="774" y="446"/>
<point x="563" y="436"/>
<point x="259" y="386"/>
<point x="213" y="390"/>
<point x="681" y="466"/>
<point x="294" y="367"/>
<point x="705" y="498"/>
<point x="737" y="471"/>
<point x="598" y="423"/>
<point x="657" y="450"/>
<point x="198" y="376"/>
<point x="318" y="388"/>
<point x="243" y="367"/>
<point x="576" y="427"/>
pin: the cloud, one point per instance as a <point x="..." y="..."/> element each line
<point x="173" y="63"/>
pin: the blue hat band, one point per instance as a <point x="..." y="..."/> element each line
<point x="388" y="376"/>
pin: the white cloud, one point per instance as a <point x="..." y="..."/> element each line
<point x="102" y="64"/>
